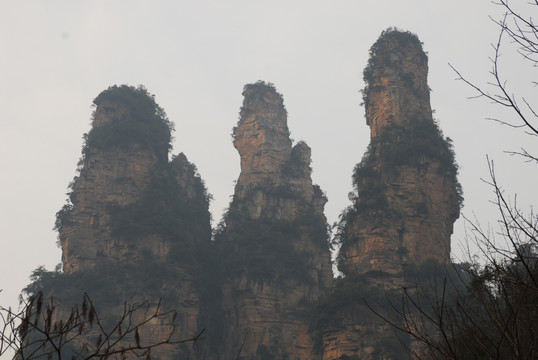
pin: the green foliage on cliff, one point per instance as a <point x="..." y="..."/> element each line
<point x="298" y="165"/>
<point x="260" y="87"/>
<point x="358" y="296"/>
<point x="348" y="303"/>
<point x="264" y="248"/>
<point x="143" y="122"/>
<point x="416" y="146"/>
<point x="62" y="216"/>
<point x="165" y="209"/>
<point x="107" y="284"/>
<point x="397" y="146"/>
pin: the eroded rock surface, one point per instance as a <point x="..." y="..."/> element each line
<point x="137" y="223"/>
<point x="138" y="227"/>
<point x="406" y="200"/>
<point x="274" y="244"/>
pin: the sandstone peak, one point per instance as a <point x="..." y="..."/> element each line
<point x="262" y="137"/>
<point x="137" y="227"/>
<point x="407" y="195"/>
<point x="124" y="165"/>
<point x="396" y="91"/>
<point x="406" y="198"/>
<point x="275" y="250"/>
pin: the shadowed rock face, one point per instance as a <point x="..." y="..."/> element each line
<point x="136" y="214"/>
<point x="274" y="245"/>
<point x="264" y="288"/>
<point x="119" y="170"/>
<point x="109" y="176"/>
<point x="406" y="196"/>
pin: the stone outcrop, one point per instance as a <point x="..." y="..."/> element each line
<point x="406" y="197"/>
<point x="274" y="241"/>
<point x="406" y="192"/>
<point x="136" y="223"/>
<point x="137" y="226"/>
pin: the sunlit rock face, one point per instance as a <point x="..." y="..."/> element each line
<point x="397" y="91"/>
<point x="262" y="137"/>
<point x="138" y="227"/>
<point x="406" y="199"/>
<point x="274" y="245"/>
<point x="137" y="222"/>
<point x="407" y="196"/>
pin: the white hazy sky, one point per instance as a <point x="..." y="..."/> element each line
<point x="195" y="56"/>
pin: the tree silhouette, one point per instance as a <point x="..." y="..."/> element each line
<point x="43" y="329"/>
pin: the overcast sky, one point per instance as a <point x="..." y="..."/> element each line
<point x="196" y="56"/>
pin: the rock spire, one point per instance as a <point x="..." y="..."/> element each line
<point x="406" y="193"/>
<point x="275" y="242"/>
<point x="136" y="223"/>
<point x="406" y="198"/>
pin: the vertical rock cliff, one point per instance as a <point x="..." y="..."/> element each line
<point x="274" y="242"/>
<point x="136" y="223"/>
<point x="406" y="193"/>
<point x="137" y="226"/>
<point x="405" y="201"/>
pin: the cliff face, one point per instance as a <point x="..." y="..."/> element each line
<point x="107" y="176"/>
<point x="406" y="197"/>
<point x="274" y="244"/>
<point x="136" y="221"/>
<point x="137" y="227"/>
<point x="406" y="192"/>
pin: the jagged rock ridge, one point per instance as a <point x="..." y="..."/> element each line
<point x="274" y="243"/>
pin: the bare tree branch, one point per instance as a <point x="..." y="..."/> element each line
<point x="35" y="332"/>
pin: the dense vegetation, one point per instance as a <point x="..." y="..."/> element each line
<point x="108" y="285"/>
<point x="396" y="146"/>
<point x="265" y="247"/>
<point x="140" y="122"/>
<point x="489" y="312"/>
<point x="364" y="294"/>
<point x="166" y="209"/>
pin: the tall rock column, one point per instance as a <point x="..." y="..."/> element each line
<point x="405" y="201"/>
<point x="109" y="175"/>
<point x="137" y="224"/>
<point x="274" y="243"/>
<point x="407" y="196"/>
